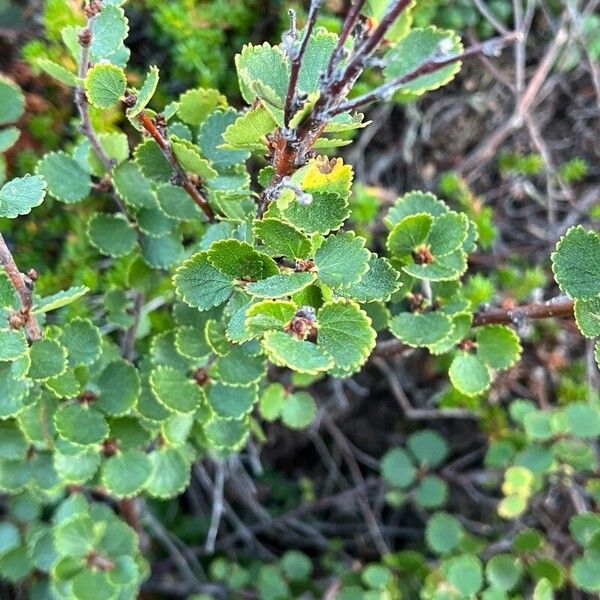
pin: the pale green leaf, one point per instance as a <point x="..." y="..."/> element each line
<point x="469" y="375"/>
<point x="66" y="180"/>
<point x="299" y="355"/>
<point x="12" y="101"/>
<point x="345" y="333"/>
<point x="20" y="195"/>
<point x="105" y="85"/>
<point x="576" y="263"/>
<point x="298" y="410"/>
<point x="145" y="93"/>
<point x="498" y="346"/>
<point x="278" y="286"/>
<point x="60" y="299"/>
<point x="195" y="105"/>
<point x="57" y="71"/>
<point x="416" y="48"/>
<point x="126" y="473"/>
<point x="109" y="29"/>
<point x="421" y="329"/>
<point x="174" y="390"/>
<point x="342" y="260"/>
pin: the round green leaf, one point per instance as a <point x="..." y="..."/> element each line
<point x="504" y="571"/>
<point x="443" y="533"/>
<point x="342" y="260"/>
<point x="583" y="420"/>
<point x="576" y="263"/>
<point x="20" y="195"/>
<point x="397" y="468"/>
<point x="465" y="574"/>
<point x="126" y="473"/>
<point x="498" y="346"/>
<point x="174" y="390"/>
<point x="298" y="410"/>
<point x="421" y="329"/>
<point x="109" y="29"/>
<point x="200" y="284"/>
<point x="80" y="425"/>
<point x="48" y="359"/>
<point x="230" y="401"/>
<point x="299" y="355"/>
<point x="119" y="386"/>
<point x="227" y="434"/>
<point x="469" y="375"/>
<point x="12" y="101"/>
<point x="345" y="333"/>
<point x="170" y="473"/>
<point x="82" y="340"/>
<point x="66" y="180"/>
<point x="111" y="234"/>
<point x="431" y="492"/>
<point x="13" y="344"/>
<point x="428" y="447"/>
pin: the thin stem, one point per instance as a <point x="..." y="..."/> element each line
<point x="366" y="49"/>
<point x="430" y="66"/>
<point x="217" y="507"/>
<point x="128" y="344"/>
<point x="85" y="40"/>
<point x="296" y="55"/>
<point x="23" y="284"/>
<point x="184" y="180"/>
<point x="561" y="306"/>
<point x="347" y="27"/>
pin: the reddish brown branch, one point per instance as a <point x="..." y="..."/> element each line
<point x="561" y="306"/>
<point x="183" y="179"/>
<point x="23" y="284"/>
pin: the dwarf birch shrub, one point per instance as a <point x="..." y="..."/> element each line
<point x="233" y="283"/>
